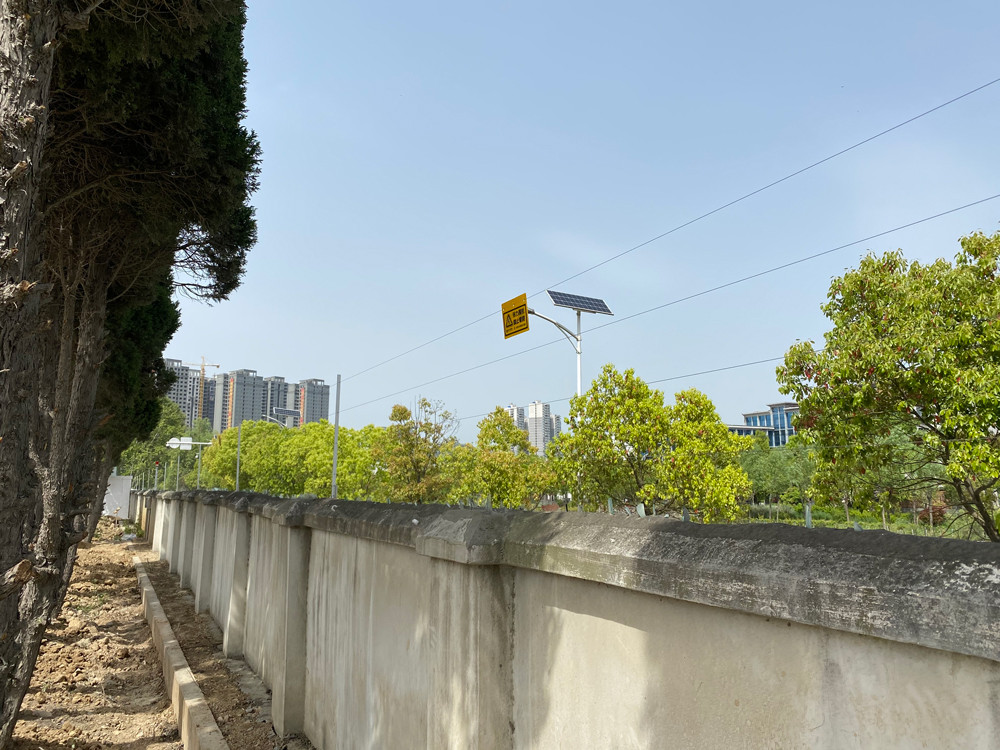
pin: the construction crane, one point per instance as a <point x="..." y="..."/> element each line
<point x="201" y="383"/>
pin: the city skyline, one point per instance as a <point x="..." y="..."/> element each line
<point x="242" y="394"/>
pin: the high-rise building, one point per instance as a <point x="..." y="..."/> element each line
<point x="185" y="391"/>
<point x="517" y="414"/>
<point x="312" y="401"/>
<point x="543" y="426"/>
<point x="208" y="405"/>
<point x="277" y="393"/>
<point x="239" y="395"/>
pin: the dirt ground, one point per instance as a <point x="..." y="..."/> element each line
<point x="98" y="684"/>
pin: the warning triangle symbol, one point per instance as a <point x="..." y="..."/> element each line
<point x="509" y="320"/>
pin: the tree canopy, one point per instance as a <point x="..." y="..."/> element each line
<point x="908" y="377"/>
<point x="410" y="455"/>
<point x="501" y="469"/>
<point x="617" y="430"/>
<point x="625" y="444"/>
<point x="699" y="465"/>
<point x="784" y="472"/>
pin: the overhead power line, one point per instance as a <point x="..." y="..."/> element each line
<point x="702" y="293"/>
<point x="651" y="382"/>
<point x="688" y="223"/>
<point x="791" y="263"/>
<point x="777" y="182"/>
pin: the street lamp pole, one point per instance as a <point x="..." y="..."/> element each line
<point x="239" y="435"/>
<point x="575" y="340"/>
<point x="579" y="305"/>
<point x="184" y="444"/>
<point x="336" y="441"/>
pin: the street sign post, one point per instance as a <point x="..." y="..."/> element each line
<point x="515" y="316"/>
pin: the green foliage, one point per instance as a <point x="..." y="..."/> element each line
<point x="625" y="444"/>
<point x="141" y="455"/>
<point x="698" y="466"/>
<point x="501" y="469"/>
<point x="148" y="153"/>
<point x="777" y="472"/>
<point x="134" y="378"/>
<point x="411" y="452"/>
<point x="291" y="462"/>
<point x="257" y="471"/>
<point x="358" y="476"/>
<point x="616" y="432"/>
<point x="905" y="388"/>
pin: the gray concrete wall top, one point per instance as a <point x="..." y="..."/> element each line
<point x="939" y="593"/>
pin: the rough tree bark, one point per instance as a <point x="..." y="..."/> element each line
<point x="29" y="32"/>
<point x="60" y="255"/>
<point x="26" y="32"/>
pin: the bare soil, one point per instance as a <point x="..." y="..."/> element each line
<point x="98" y="683"/>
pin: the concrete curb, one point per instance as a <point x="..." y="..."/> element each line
<point x="194" y="719"/>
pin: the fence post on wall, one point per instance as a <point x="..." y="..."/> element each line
<point x="234" y="631"/>
<point x="176" y="524"/>
<point x="161" y="520"/>
<point x="289" y="690"/>
<point x="151" y="528"/>
<point x="185" y="566"/>
<point x="205" y="552"/>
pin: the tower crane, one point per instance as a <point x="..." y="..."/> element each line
<point x="201" y="383"/>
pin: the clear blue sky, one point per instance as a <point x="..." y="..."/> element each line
<point x="425" y="162"/>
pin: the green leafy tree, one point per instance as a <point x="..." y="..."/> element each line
<point x="784" y="472"/>
<point x="616" y="432"/>
<point x="698" y="464"/>
<point x="200" y="432"/>
<point x="411" y="453"/>
<point x="914" y="352"/>
<point x="259" y="470"/>
<point x="502" y="468"/>
<point x="460" y="465"/>
<point x="358" y="475"/>
<point x="133" y="378"/>
<point x="762" y="465"/>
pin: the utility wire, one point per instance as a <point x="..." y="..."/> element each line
<point x="452" y="375"/>
<point x="653" y="382"/>
<point x="687" y="224"/>
<point x="742" y="280"/>
<point x="792" y="263"/>
<point x="777" y="182"/>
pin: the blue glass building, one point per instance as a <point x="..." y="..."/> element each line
<point x="776" y="422"/>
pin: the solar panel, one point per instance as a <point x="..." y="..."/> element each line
<point x="279" y="412"/>
<point x="576" y="302"/>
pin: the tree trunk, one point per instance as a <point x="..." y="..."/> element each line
<point x="103" y="472"/>
<point x="61" y="462"/>
<point x="27" y="27"/>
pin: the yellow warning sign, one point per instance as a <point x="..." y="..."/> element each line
<point x="515" y="316"/>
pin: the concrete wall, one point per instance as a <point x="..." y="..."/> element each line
<point x="403" y="626"/>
